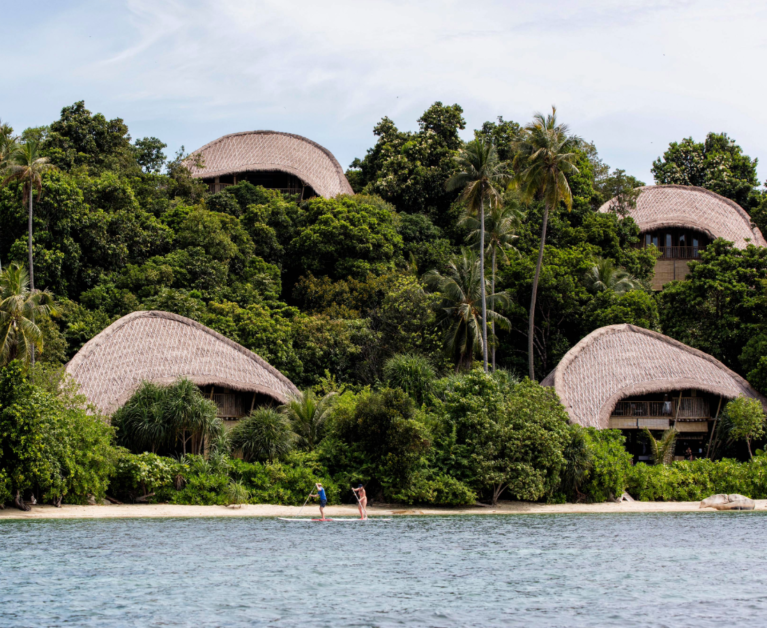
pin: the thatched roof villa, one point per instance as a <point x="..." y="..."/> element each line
<point x="282" y="161"/>
<point x="625" y="377"/>
<point x="682" y="220"/>
<point x="162" y="347"/>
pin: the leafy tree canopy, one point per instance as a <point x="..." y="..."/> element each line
<point x="82" y="139"/>
<point x="409" y="169"/>
<point x="717" y="164"/>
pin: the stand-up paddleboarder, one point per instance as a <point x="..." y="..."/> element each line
<point x="323" y="500"/>
<point x="362" y="500"/>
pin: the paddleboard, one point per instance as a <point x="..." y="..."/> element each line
<point x="336" y="520"/>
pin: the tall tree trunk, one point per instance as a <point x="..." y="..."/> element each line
<point x="482" y="278"/>
<point x="531" y="327"/>
<point x="492" y="290"/>
<point x="31" y="264"/>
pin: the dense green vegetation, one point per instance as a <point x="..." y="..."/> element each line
<point x="476" y="436"/>
<point x="378" y="305"/>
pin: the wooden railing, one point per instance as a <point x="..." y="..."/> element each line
<point x="228" y="405"/>
<point x="679" y="252"/>
<point x="690" y="408"/>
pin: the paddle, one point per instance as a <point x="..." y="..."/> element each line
<point x="306" y="502"/>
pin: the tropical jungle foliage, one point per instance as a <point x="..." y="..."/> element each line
<point x="378" y="306"/>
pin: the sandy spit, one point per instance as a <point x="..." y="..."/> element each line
<point x="129" y="511"/>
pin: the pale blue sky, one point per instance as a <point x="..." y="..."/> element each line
<point x="628" y="75"/>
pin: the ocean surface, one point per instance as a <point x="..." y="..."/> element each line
<point x="524" y="570"/>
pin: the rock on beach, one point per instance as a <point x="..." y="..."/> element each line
<point x="728" y="502"/>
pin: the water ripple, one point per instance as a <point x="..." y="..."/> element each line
<point x="667" y="569"/>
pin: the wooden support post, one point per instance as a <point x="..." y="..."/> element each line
<point x="212" y="388"/>
<point x="678" y="404"/>
<point x="713" y="429"/>
<point x="253" y="403"/>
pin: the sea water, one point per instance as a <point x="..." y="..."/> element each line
<point x="696" y="569"/>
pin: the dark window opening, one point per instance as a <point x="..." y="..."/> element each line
<point x="677" y="243"/>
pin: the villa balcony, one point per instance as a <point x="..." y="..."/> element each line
<point x="691" y="414"/>
<point x="680" y="252"/>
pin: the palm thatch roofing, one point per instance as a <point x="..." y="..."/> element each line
<point x="618" y="361"/>
<point x="664" y="206"/>
<point x="258" y="151"/>
<point x="162" y="347"/>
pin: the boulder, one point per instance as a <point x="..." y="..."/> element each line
<point x="728" y="502"/>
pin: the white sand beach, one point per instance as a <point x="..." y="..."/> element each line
<point x="127" y="511"/>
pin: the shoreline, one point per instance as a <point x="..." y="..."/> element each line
<point x="134" y="511"/>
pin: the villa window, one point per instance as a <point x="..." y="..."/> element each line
<point x="676" y="243"/>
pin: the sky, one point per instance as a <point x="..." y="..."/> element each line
<point x="629" y="75"/>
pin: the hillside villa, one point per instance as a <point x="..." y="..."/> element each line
<point x="161" y="347"/>
<point x="680" y="221"/>
<point x="629" y="378"/>
<point x="280" y="161"/>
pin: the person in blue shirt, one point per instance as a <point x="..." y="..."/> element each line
<point x="323" y="499"/>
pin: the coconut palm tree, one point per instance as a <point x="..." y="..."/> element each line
<point x="543" y="159"/>
<point x="501" y="227"/>
<point x="606" y="276"/>
<point x="307" y="415"/>
<point x="19" y="306"/>
<point x="7" y="144"/>
<point x="479" y="175"/>
<point x="460" y="302"/>
<point x="28" y="166"/>
<point x="7" y="148"/>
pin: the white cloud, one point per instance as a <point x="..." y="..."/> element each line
<point x="629" y="75"/>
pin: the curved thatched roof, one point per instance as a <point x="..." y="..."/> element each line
<point x="163" y="347"/>
<point x="662" y="206"/>
<point x="618" y="361"/>
<point x="254" y="151"/>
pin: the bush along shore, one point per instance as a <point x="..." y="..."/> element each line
<point x="474" y="437"/>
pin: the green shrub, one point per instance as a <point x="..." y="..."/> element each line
<point x="610" y="465"/>
<point x="697" y="479"/>
<point x="375" y="438"/>
<point x="141" y="474"/>
<point x="203" y="490"/>
<point x="412" y="373"/>
<point x="286" y="483"/>
<point x="236" y="493"/>
<point x="747" y="419"/>
<point x="49" y="442"/>
<point x="264" y="435"/>
<point x="438" y="490"/>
